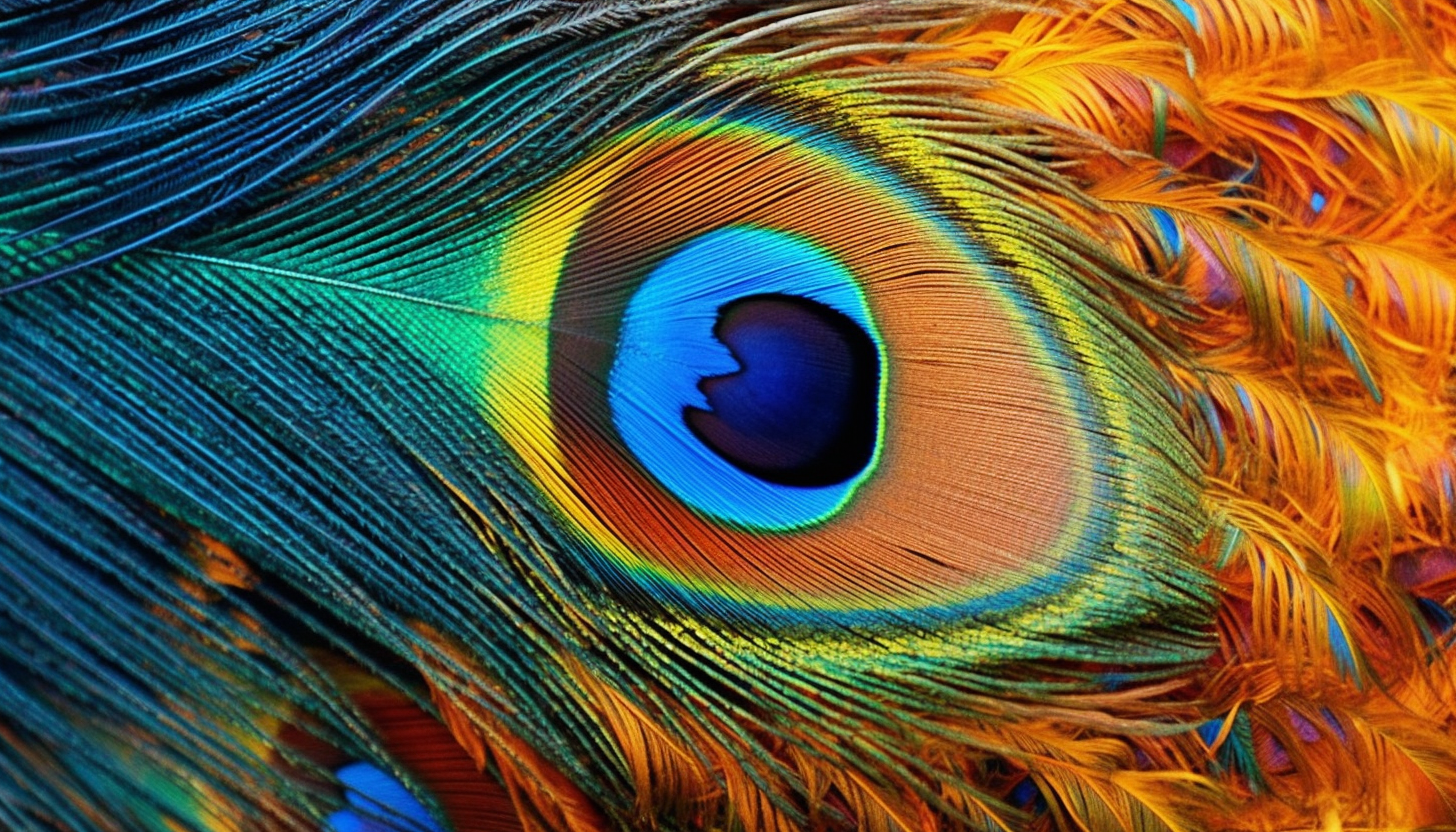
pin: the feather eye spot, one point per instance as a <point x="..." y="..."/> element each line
<point x="768" y="377"/>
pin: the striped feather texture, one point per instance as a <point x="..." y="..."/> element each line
<point x="949" y="414"/>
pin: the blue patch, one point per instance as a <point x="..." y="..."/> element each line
<point x="1438" y="615"/>
<point x="1437" y="619"/>
<point x="378" y="802"/>
<point x="1344" y="655"/>
<point x="1334" y="723"/>
<point x="1236" y="754"/>
<point x="1209" y="731"/>
<point x="1169" y="229"/>
<point x="1186" y="9"/>
<point x="1317" y="201"/>
<point x="668" y="348"/>
<point x="1026" y="795"/>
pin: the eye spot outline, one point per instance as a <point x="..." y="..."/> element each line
<point x="1017" y="283"/>
<point x="537" y="259"/>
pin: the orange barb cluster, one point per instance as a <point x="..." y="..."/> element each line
<point x="1291" y="168"/>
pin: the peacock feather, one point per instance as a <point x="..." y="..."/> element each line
<point x="477" y="415"/>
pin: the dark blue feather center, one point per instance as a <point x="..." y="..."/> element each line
<point x="803" y="410"/>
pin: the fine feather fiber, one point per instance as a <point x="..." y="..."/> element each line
<point x="468" y="415"/>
